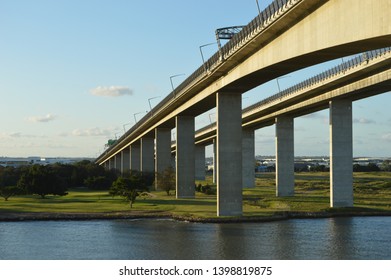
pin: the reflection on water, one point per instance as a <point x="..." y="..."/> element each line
<point x="334" y="238"/>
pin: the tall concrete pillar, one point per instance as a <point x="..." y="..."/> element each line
<point x="185" y="160"/>
<point x="147" y="154"/>
<point x="215" y="161"/>
<point x="163" y="151"/>
<point x="111" y="163"/>
<point x="125" y="165"/>
<point x="117" y="161"/>
<point x="248" y="158"/>
<point x="106" y="165"/>
<point x="285" y="158"/>
<point x="135" y="151"/>
<point x="229" y="154"/>
<point x="200" y="162"/>
<point x="341" y="154"/>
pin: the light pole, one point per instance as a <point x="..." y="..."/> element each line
<point x="202" y="55"/>
<point x="124" y="126"/>
<point x="134" y="115"/>
<point x="149" y="101"/>
<point x="172" y="85"/>
<point x="259" y="10"/>
<point x="278" y="84"/>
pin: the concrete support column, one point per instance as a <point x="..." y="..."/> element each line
<point x="214" y="161"/>
<point x="125" y="156"/>
<point x="117" y="162"/>
<point x="111" y="163"/>
<point x="341" y="154"/>
<point x="185" y="160"/>
<point x="285" y="157"/>
<point x="248" y="158"/>
<point x="106" y="165"/>
<point x="229" y="154"/>
<point x="163" y="151"/>
<point x="135" y="151"/>
<point x="147" y="154"/>
<point x="200" y="162"/>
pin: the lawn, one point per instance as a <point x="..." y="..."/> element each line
<point x="372" y="192"/>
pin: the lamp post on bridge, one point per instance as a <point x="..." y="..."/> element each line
<point x="202" y="55"/>
<point x="172" y="85"/>
<point x="259" y="10"/>
<point x="134" y="115"/>
<point x="124" y="126"/>
<point x="149" y="101"/>
<point x="278" y="84"/>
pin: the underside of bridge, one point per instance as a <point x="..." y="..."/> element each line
<point x="300" y="34"/>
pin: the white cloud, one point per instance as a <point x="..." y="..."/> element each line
<point x="47" y="118"/>
<point x="112" y="91"/>
<point x="363" y="121"/>
<point x="92" y="132"/>
<point x="387" y="137"/>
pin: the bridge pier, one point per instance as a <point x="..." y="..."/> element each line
<point x="162" y="151"/>
<point x="229" y="154"/>
<point x="117" y="162"/>
<point x="200" y="162"/>
<point x="285" y="162"/>
<point x="185" y="160"/>
<point x="248" y="158"/>
<point x="341" y="153"/>
<point x="147" y="154"/>
<point x="135" y="156"/>
<point x="214" y="161"/>
<point x="125" y="164"/>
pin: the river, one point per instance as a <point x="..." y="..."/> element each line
<point x="300" y="239"/>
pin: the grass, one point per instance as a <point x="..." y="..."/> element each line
<point x="372" y="192"/>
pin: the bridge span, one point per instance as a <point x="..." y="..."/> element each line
<point x="287" y="36"/>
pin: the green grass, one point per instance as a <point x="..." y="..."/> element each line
<point x="372" y="192"/>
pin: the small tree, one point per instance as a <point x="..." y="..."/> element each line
<point x="128" y="186"/>
<point x="166" y="180"/>
<point x="9" y="191"/>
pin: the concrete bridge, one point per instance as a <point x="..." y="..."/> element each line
<point x="365" y="75"/>
<point x="287" y="36"/>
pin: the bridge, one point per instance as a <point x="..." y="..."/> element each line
<point x="287" y="36"/>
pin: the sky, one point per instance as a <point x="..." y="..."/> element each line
<point x="74" y="74"/>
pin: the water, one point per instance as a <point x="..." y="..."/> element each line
<point x="302" y="239"/>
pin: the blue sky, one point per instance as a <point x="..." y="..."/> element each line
<point x="74" y="74"/>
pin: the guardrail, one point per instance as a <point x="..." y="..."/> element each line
<point x="337" y="70"/>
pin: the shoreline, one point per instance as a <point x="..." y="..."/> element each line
<point x="277" y="216"/>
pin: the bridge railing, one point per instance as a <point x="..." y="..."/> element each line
<point x="337" y="70"/>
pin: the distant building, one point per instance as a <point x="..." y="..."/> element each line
<point x="20" y="161"/>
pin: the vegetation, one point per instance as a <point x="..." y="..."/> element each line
<point x="53" y="179"/>
<point x="372" y="192"/>
<point x="166" y="180"/>
<point x="130" y="185"/>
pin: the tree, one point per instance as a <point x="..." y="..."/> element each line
<point x="166" y="180"/>
<point x="8" y="191"/>
<point x="41" y="180"/>
<point x="128" y="186"/>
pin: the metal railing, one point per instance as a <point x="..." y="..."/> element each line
<point x="337" y="70"/>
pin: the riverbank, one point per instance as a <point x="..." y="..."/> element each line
<point x="372" y="197"/>
<point x="278" y="216"/>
